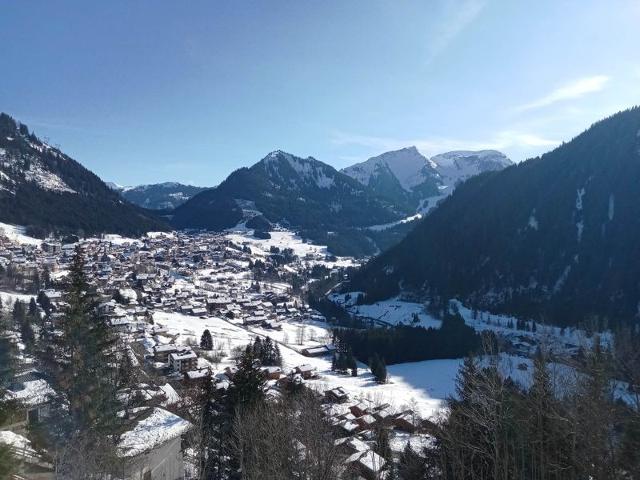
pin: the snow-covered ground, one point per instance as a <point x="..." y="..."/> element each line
<point x="120" y="240"/>
<point x="396" y="310"/>
<point x="422" y="385"/>
<point x="16" y="233"/>
<point x="285" y="239"/>
<point x="393" y="311"/>
<point x="8" y="299"/>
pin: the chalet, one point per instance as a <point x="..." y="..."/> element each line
<point x="337" y="395"/>
<point x="199" y="311"/>
<point x="29" y="463"/>
<point x="383" y="413"/>
<point x="318" y="351"/>
<point x="183" y="360"/>
<point x="153" y="447"/>
<point x="368" y="464"/>
<point x="33" y="393"/>
<point x="366" y="421"/>
<point x="108" y="308"/>
<point x="359" y="409"/>
<point x="349" y="427"/>
<point x="272" y="325"/>
<point x="161" y="352"/>
<point x="351" y="445"/>
<point x="306" y="371"/>
<point x="254" y="320"/>
<point x="407" y="421"/>
<point x="198" y="375"/>
<point x="272" y="373"/>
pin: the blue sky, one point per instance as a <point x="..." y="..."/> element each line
<point x="148" y="91"/>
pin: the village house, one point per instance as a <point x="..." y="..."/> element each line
<point x="306" y="371"/>
<point x="161" y="352"/>
<point x="152" y="449"/>
<point x="183" y="360"/>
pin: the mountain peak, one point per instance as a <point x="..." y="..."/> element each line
<point x="406" y="164"/>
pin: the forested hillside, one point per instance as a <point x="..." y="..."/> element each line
<point x="46" y="190"/>
<point x="555" y="238"/>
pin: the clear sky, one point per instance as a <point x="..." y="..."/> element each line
<point x="158" y="90"/>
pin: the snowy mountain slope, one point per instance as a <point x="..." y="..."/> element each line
<point x="43" y="188"/>
<point x="458" y="166"/>
<point x="407" y="177"/>
<point x="408" y="165"/>
<point x="159" y="196"/>
<point x="303" y="193"/>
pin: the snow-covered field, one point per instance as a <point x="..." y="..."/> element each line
<point x="282" y="240"/>
<point x="421" y="385"/>
<point x="16" y="234"/>
<point x="392" y="311"/>
<point x="8" y="299"/>
<point x="396" y="310"/>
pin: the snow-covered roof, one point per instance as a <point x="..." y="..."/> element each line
<point x="34" y="392"/>
<point x="155" y="429"/>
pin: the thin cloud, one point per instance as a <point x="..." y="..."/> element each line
<point x="573" y="90"/>
<point x="503" y="140"/>
<point x="456" y="18"/>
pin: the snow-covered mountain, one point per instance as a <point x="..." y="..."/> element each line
<point x="407" y="177"/>
<point x="45" y="189"/>
<point x="158" y="196"/>
<point x="458" y="166"/>
<point x="407" y="165"/>
<point x="304" y="193"/>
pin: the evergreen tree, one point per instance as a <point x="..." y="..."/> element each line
<point x="33" y="307"/>
<point x="353" y="365"/>
<point x="382" y="372"/>
<point x="206" y="341"/>
<point x="7" y="364"/>
<point x="378" y="368"/>
<point x="24" y="324"/>
<point x="411" y="466"/>
<point x="248" y="381"/>
<point x="82" y="365"/>
<point x="277" y="357"/>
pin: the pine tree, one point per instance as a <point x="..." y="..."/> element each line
<point x="382" y="372"/>
<point x="23" y="322"/>
<point x="353" y="365"/>
<point x="248" y="381"/>
<point x="206" y="341"/>
<point x="82" y="365"/>
<point x="378" y="368"/>
<point x="411" y="466"/>
<point x="277" y="358"/>
<point x="7" y="364"/>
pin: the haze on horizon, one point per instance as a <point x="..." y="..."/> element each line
<point x="162" y="91"/>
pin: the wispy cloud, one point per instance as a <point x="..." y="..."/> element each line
<point x="573" y="90"/>
<point x="456" y="17"/>
<point x="502" y="140"/>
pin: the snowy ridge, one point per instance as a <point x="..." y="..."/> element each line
<point x="407" y="165"/>
<point x="413" y="171"/>
<point x="309" y="170"/>
<point x="458" y="166"/>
